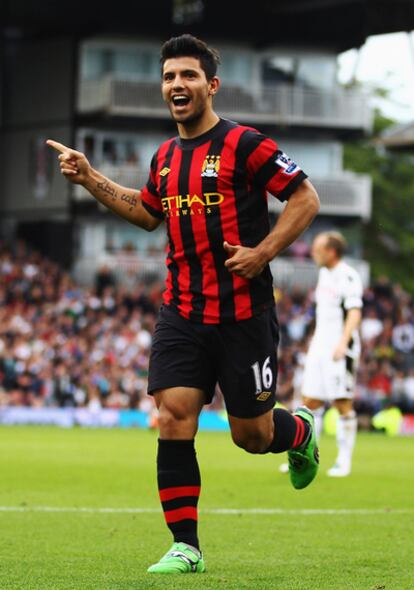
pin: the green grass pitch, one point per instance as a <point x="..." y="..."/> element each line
<point x="355" y="533"/>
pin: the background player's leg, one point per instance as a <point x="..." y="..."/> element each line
<point x="314" y="390"/>
<point x="318" y="408"/>
<point x="178" y="473"/>
<point x="345" y="437"/>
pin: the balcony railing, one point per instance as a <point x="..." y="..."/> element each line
<point x="282" y="104"/>
<point x="345" y="194"/>
<point x="288" y="273"/>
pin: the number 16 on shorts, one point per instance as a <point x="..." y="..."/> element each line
<point x="263" y="376"/>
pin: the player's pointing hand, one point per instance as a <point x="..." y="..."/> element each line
<point x="73" y="165"/>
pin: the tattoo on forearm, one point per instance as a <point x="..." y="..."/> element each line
<point x="129" y="199"/>
<point x="107" y="188"/>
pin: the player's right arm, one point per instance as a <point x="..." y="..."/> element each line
<point x="125" y="202"/>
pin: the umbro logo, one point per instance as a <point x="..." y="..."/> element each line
<point x="165" y="171"/>
<point x="263" y="396"/>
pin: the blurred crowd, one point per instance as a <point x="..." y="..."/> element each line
<point x="62" y="345"/>
<point x="385" y="374"/>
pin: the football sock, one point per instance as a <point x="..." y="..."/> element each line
<point x="179" y="485"/>
<point x="290" y="431"/>
<point x="318" y="416"/>
<point x="345" y="437"/>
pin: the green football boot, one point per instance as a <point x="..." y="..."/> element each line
<point x="304" y="460"/>
<point x="180" y="559"/>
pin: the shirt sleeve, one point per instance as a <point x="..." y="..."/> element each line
<point x="352" y="290"/>
<point x="150" y="197"/>
<point x="270" y="167"/>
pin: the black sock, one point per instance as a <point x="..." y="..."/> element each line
<point x="179" y="485"/>
<point x="290" y="431"/>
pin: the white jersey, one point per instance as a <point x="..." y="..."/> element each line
<point x="338" y="290"/>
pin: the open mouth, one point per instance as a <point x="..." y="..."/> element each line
<point x="180" y="100"/>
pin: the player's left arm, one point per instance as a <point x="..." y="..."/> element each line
<point x="352" y="301"/>
<point x="352" y="323"/>
<point x="301" y="208"/>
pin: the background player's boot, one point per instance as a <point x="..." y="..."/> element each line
<point x="180" y="559"/>
<point x="339" y="470"/>
<point x="284" y="468"/>
<point x="347" y="426"/>
<point x="304" y="460"/>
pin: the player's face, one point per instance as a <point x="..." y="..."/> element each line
<point x="320" y="251"/>
<point x="186" y="89"/>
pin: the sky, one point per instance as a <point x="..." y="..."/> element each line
<point x="386" y="61"/>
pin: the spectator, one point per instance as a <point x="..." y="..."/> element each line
<point x="371" y="325"/>
<point x="64" y="345"/>
<point x="380" y="385"/>
<point x="104" y="278"/>
<point x="403" y="337"/>
<point x="408" y="394"/>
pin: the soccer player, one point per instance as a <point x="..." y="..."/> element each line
<point x="209" y="187"/>
<point x="334" y="350"/>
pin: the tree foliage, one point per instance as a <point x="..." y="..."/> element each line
<point x="388" y="238"/>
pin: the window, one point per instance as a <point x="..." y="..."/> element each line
<point x="313" y="71"/>
<point x="277" y="70"/>
<point x="95" y="63"/>
<point x="317" y="71"/>
<point x="235" y="68"/>
<point x="125" y="62"/>
<point x="321" y="159"/>
<point x="118" y="148"/>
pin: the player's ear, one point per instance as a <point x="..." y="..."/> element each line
<point x="214" y="85"/>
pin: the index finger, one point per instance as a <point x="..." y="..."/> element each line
<point x="59" y="147"/>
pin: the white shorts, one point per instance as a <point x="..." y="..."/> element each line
<point x="326" y="380"/>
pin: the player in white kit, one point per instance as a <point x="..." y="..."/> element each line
<point x="334" y="350"/>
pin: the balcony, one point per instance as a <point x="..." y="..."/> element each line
<point x="346" y="194"/>
<point x="281" y="105"/>
<point x="288" y="273"/>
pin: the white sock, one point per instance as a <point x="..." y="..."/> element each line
<point x="318" y="415"/>
<point x="345" y="438"/>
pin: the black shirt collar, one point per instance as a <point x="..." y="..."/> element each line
<point x="212" y="133"/>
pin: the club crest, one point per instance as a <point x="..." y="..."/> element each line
<point x="211" y="166"/>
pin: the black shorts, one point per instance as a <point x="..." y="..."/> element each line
<point x="240" y="356"/>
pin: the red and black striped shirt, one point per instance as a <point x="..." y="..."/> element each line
<point x="212" y="189"/>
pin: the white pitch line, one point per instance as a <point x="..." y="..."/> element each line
<point x="223" y="511"/>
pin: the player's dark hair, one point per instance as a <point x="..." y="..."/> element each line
<point x="189" y="46"/>
<point x="337" y="242"/>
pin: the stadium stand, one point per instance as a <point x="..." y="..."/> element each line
<point x="62" y="345"/>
